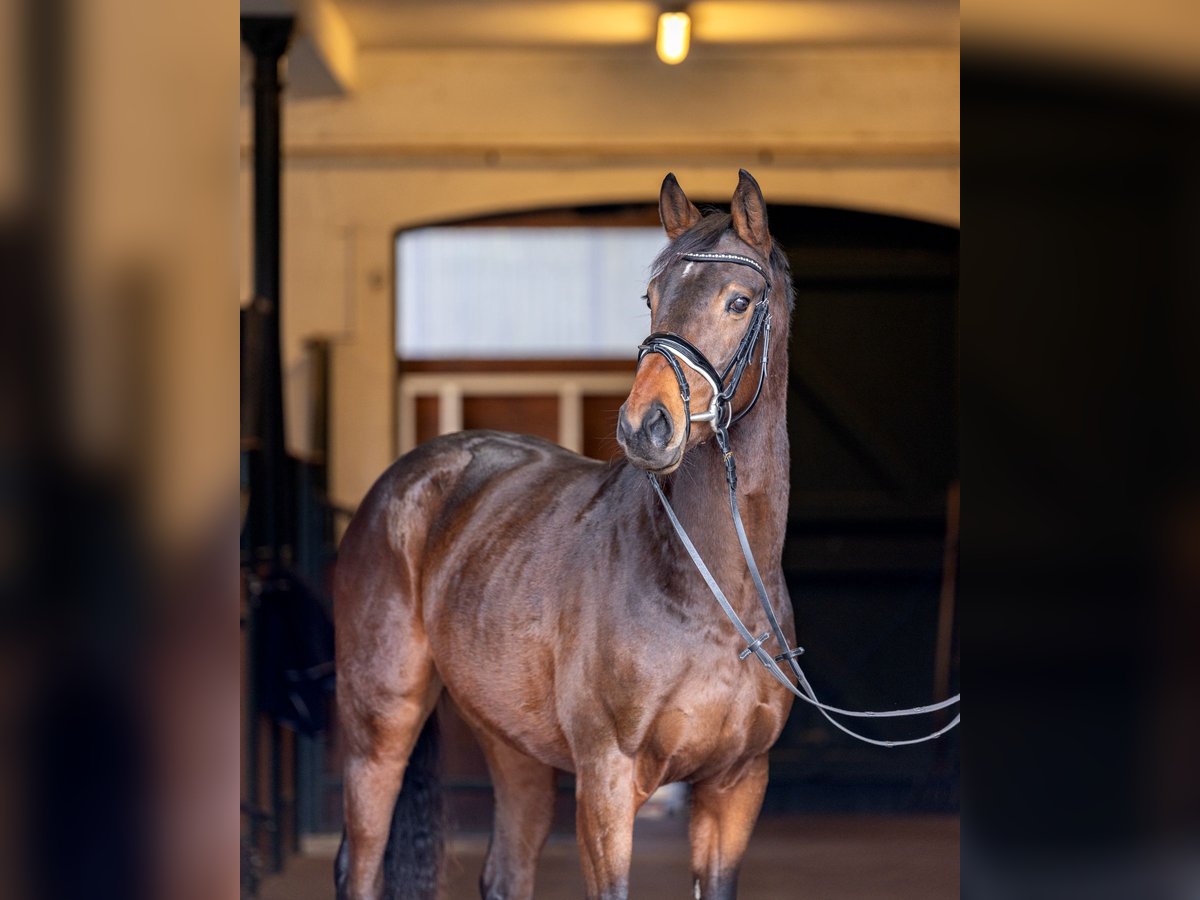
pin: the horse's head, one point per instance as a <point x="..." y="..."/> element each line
<point x="714" y="306"/>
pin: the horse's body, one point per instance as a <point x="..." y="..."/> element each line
<point x="548" y="595"/>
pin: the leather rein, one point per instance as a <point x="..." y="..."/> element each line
<point x="724" y="384"/>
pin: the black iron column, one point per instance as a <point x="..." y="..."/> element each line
<point x="267" y="38"/>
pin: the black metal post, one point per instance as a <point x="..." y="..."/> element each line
<point x="267" y="38"/>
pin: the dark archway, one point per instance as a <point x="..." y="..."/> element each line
<point x="873" y="422"/>
<point x="873" y="419"/>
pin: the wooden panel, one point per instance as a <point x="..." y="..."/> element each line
<point x="600" y="426"/>
<point x="576" y="407"/>
<point x="528" y="415"/>
<point x="427" y="418"/>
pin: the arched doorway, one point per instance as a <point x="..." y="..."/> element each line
<point x="873" y="423"/>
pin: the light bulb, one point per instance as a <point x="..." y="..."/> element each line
<point x="674" y="35"/>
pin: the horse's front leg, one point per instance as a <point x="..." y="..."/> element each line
<point x="605" y="804"/>
<point x="724" y="811"/>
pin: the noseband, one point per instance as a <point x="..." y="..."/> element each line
<point x="679" y="352"/>
<point x="723" y="385"/>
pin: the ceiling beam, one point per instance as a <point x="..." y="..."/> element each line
<point x="323" y="59"/>
<point x="334" y="44"/>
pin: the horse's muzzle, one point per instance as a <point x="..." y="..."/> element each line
<point x="650" y="444"/>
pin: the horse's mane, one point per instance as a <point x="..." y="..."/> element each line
<point x="705" y="234"/>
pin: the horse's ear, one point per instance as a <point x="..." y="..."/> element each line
<point x="750" y="213"/>
<point x="677" y="212"/>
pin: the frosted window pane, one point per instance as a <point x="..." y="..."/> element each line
<point x="523" y="292"/>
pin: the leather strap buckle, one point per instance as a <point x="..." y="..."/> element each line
<point x="791" y="654"/>
<point x="753" y="646"/>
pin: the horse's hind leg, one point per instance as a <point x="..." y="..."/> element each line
<point x="387" y="686"/>
<point x="381" y="730"/>
<point x="524" y="809"/>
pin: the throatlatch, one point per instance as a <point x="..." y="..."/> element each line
<point x="680" y="352"/>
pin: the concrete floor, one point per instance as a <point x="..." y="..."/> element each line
<point x="825" y="857"/>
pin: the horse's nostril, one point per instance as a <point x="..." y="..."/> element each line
<point x="658" y="426"/>
<point x="623" y="432"/>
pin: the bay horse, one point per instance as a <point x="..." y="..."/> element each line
<point x="546" y="593"/>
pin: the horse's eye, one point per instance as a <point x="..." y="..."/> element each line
<point x="739" y="304"/>
<point x="646" y="297"/>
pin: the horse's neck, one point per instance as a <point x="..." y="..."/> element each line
<point x="700" y="494"/>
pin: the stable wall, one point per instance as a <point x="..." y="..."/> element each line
<point x="437" y="135"/>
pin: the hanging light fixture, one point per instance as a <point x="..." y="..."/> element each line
<point x="674" y="36"/>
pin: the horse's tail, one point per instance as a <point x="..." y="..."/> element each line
<point x="412" y="862"/>
<point x="413" y="859"/>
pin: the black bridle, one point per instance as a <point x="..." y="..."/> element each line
<point x="680" y="352"/>
<point x="723" y="385"/>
